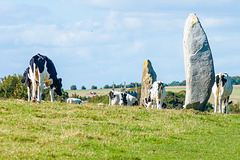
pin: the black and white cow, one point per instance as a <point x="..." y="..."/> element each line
<point x="128" y="100"/>
<point x="222" y="89"/>
<point x="156" y="95"/>
<point x="115" y="98"/>
<point x="121" y="98"/>
<point x="27" y="81"/>
<point x="42" y="70"/>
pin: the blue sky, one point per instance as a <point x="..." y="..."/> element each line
<point x="96" y="42"/>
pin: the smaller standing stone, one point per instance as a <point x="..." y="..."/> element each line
<point x="148" y="77"/>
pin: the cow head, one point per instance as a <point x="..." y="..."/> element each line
<point x="220" y="79"/>
<point x="25" y="75"/>
<point x="111" y="95"/>
<point x="58" y="86"/>
<point x="223" y="80"/>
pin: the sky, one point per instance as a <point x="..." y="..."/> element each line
<point x="96" y="42"/>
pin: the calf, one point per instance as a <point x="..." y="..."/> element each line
<point x="156" y="95"/>
<point x="27" y="81"/>
<point x="42" y="70"/>
<point x="74" y="100"/>
<point x="222" y="89"/>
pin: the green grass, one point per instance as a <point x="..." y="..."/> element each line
<point x="70" y="131"/>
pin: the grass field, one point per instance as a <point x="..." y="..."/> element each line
<point x="87" y="131"/>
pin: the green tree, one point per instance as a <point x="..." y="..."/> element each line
<point x="106" y="86"/>
<point x="94" y="87"/>
<point x="11" y="87"/>
<point x="83" y="88"/>
<point x="175" y="99"/>
<point x="73" y="87"/>
<point x="183" y="83"/>
<point x="235" y="80"/>
<point x="174" y="83"/>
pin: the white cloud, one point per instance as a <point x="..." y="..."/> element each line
<point x="210" y="22"/>
<point x="104" y="38"/>
<point x="218" y="38"/>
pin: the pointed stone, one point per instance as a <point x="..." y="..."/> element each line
<point x="148" y="77"/>
<point x="199" y="69"/>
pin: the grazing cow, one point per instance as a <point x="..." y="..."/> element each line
<point x="42" y="70"/>
<point x="120" y="98"/>
<point x="27" y="81"/>
<point x="74" y="100"/>
<point x="156" y="95"/>
<point x="222" y="89"/>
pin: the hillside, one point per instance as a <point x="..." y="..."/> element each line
<point x="235" y="97"/>
<point x="60" y="130"/>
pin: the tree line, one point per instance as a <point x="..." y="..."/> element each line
<point x="234" y="79"/>
<point x="131" y="85"/>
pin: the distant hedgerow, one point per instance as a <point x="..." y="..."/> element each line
<point x="99" y="99"/>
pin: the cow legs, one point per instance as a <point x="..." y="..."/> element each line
<point x="161" y="103"/>
<point x="148" y="104"/>
<point x="157" y="103"/>
<point x="29" y="93"/>
<point x="40" y="86"/>
<point x="34" y="85"/>
<point x="216" y="104"/>
<point x="34" y="82"/>
<point x="51" y="94"/>
<point x="220" y="106"/>
<point x="152" y="104"/>
<point x="227" y="111"/>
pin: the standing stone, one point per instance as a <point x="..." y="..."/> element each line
<point x="148" y="77"/>
<point x="199" y="69"/>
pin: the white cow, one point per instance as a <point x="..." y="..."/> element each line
<point x="74" y="100"/>
<point x="222" y="89"/>
<point x="156" y="95"/>
<point x="121" y="98"/>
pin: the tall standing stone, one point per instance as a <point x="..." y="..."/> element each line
<point x="199" y="69"/>
<point x="148" y="77"/>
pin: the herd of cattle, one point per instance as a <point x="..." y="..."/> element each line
<point x="42" y="70"/>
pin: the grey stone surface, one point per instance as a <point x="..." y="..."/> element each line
<point x="148" y="77"/>
<point x="199" y="69"/>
